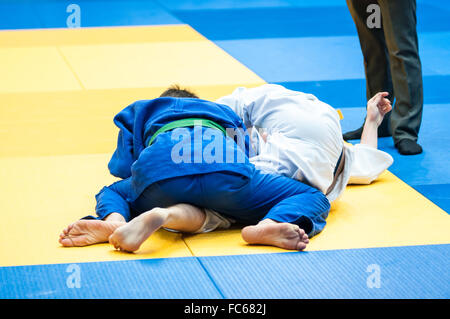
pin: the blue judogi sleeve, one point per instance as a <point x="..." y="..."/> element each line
<point x="112" y="199"/>
<point x="125" y="153"/>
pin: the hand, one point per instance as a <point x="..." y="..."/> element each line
<point x="377" y="107"/>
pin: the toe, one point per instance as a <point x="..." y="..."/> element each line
<point x="301" y="245"/>
<point x="68" y="229"/>
<point x="302" y="235"/>
<point x="305" y="238"/>
<point x="67" y="242"/>
<point x="125" y="250"/>
<point x="112" y="241"/>
<point x="302" y="232"/>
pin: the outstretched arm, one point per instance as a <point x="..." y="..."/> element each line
<point x="369" y="162"/>
<point x="377" y="107"/>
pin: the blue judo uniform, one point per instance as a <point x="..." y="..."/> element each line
<point x="205" y="176"/>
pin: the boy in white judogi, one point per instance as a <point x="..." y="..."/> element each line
<point x="304" y="139"/>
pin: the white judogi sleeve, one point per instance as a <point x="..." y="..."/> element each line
<point x="368" y="164"/>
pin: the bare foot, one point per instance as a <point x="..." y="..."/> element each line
<point x="283" y="235"/>
<point x="130" y="236"/>
<point x="87" y="232"/>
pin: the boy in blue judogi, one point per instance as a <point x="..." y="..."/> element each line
<point x="175" y="150"/>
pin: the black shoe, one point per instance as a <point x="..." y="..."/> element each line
<point x="408" y="147"/>
<point x="356" y="134"/>
<point x="353" y="135"/>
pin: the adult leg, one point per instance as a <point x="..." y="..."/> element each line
<point x="399" y="25"/>
<point x="376" y="62"/>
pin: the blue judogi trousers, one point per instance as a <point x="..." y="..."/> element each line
<point x="244" y="199"/>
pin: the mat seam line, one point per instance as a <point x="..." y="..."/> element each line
<point x="210" y="277"/>
<point x="204" y="269"/>
<point x="70" y="68"/>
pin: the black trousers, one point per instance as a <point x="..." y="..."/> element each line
<point x="391" y="61"/>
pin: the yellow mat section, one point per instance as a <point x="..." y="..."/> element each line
<point x="61" y="91"/>
<point x="154" y="64"/>
<point x="42" y="195"/>
<point x="73" y="122"/>
<point x="27" y="69"/>
<point x="86" y="36"/>
<point x="106" y="58"/>
<point x="63" y="86"/>
<point x="57" y="101"/>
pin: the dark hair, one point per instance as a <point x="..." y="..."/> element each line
<point x="176" y="91"/>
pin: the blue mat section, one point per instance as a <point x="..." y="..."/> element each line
<point x="326" y="59"/>
<point x="273" y="22"/>
<point x="399" y="272"/>
<point x="432" y="166"/>
<point x="394" y="272"/>
<point x="437" y="193"/>
<point x="28" y="14"/>
<point x="171" y="278"/>
<point x="352" y="93"/>
<point x="239" y="4"/>
<point x="217" y="20"/>
<point x="294" y="21"/>
<point x="18" y="15"/>
<point x="428" y="172"/>
<point x="299" y="59"/>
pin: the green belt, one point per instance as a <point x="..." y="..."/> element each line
<point x="190" y="122"/>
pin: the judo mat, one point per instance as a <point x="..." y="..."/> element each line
<point x="62" y="86"/>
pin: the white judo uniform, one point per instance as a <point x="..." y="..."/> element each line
<point x="304" y="139"/>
